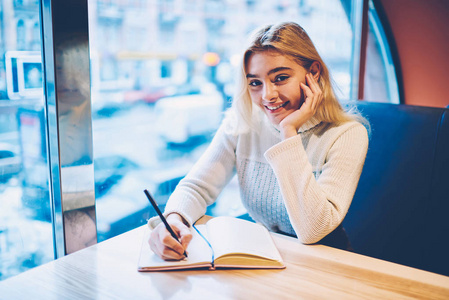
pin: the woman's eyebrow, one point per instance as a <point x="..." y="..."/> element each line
<point x="278" y="69"/>
<point x="272" y="71"/>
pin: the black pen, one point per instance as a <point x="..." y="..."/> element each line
<point x="156" y="208"/>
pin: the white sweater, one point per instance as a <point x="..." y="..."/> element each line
<point x="301" y="186"/>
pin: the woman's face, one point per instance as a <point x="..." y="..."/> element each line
<point x="274" y="84"/>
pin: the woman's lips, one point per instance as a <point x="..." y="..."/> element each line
<point x="276" y="108"/>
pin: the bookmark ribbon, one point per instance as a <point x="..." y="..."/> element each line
<point x="210" y="246"/>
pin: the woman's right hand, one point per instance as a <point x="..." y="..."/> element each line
<point x="164" y="245"/>
<point x="313" y="96"/>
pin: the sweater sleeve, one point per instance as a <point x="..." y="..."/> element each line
<point x="317" y="206"/>
<point x="204" y="182"/>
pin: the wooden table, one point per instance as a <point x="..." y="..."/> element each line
<point x="108" y="270"/>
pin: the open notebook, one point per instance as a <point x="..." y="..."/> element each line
<point x="223" y="242"/>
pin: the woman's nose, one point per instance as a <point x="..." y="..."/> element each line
<point x="269" y="92"/>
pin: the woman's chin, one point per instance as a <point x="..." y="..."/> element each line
<point x="274" y="119"/>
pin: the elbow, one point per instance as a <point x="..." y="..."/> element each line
<point x="309" y="238"/>
<point x="315" y="230"/>
<point x="313" y="235"/>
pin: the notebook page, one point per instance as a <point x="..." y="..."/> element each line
<point x="232" y="235"/>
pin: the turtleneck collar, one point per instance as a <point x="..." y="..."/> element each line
<point x="311" y="123"/>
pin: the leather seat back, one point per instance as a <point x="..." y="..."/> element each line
<point x="400" y="211"/>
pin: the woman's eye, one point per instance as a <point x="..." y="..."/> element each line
<point x="281" y="78"/>
<point x="255" y="83"/>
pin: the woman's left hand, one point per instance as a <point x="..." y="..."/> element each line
<point x="312" y="98"/>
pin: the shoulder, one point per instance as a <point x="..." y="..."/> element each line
<point x="351" y="134"/>
<point x="354" y="128"/>
<point x="352" y="137"/>
<point x="350" y="128"/>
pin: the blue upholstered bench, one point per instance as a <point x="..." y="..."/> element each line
<point x="400" y="211"/>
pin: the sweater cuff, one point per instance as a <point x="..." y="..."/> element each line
<point x="283" y="147"/>
<point x="154" y="221"/>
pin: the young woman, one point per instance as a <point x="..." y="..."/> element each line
<point x="297" y="154"/>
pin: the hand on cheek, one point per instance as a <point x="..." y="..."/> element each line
<point x="312" y="95"/>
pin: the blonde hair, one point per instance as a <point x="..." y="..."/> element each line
<point x="290" y="39"/>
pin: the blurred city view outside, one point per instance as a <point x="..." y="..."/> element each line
<point x="162" y="74"/>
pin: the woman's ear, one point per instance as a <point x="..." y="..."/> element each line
<point x="315" y="70"/>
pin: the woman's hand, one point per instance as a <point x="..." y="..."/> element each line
<point x="164" y="245"/>
<point x="313" y="96"/>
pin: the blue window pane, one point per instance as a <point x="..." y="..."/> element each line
<point x="26" y="237"/>
<point x="380" y="75"/>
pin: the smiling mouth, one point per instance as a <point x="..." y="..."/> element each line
<point x="273" y="108"/>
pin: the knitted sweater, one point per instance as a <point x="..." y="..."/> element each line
<point x="302" y="186"/>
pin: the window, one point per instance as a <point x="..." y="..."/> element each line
<point x="380" y="77"/>
<point x="26" y="238"/>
